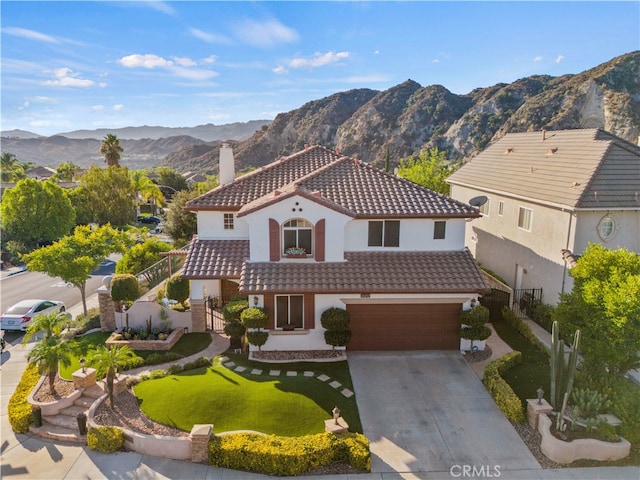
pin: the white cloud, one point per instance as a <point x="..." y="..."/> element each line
<point x="160" y="6"/>
<point x="144" y="61"/>
<point x="65" y="77"/>
<point x="264" y="34"/>
<point x="193" y="74"/>
<point x="209" y="37"/>
<point x="30" y="34"/>
<point x="538" y="58"/>
<point x="97" y="108"/>
<point x="376" y="52"/>
<point x="184" y="62"/>
<point x="559" y="58"/>
<point x="118" y="107"/>
<point x="279" y="70"/>
<point x="435" y="60"/>
<point x="210" y="59"/>
<point x="318" y="60"/>
<point x="374" y="78"/>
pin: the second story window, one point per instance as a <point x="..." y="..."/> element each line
<point x="501" y="208"/>
<point x="439" y="230"/>
<point x="296" y="236"/>
<point x="228" y="221"/>
<point x="384" y="233"/>
<point x="524" y="218"/>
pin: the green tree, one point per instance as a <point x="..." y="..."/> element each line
<point x="74" y="257"/>
<point x="34" y="211"/>
<point x="10" y="169"/>
<point x="142" y="256"/>
<point x="178" y="289"/>
<point x="48" y="354"/>
<point x="176" y="182"/>
<point x="181" y="224"/>
<point x="51" y="324"/>
<point x="79" y="198"/>
<point x="66" y="172"/>
<point x="108" y="361"/>
<point x="147" y="190"/>
<point x="111" y="149"/>
<point x="430" y="170"/>
<point x="110" y="195"/>
<point x="605" y="305"/>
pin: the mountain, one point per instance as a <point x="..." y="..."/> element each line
<point x="401" y="120"/>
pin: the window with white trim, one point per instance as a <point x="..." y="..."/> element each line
<point x="501" y="208"/>
<point x="297" y="235"/>
<point x="289" y="311"/>
<point x="384" y="233"/>
<point x="607" y="227"/>
<point x="228" y="221"/>
<point x="439" y="229"/>
<point x="525" y="216"/>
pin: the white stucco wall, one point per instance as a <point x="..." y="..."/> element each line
<point x="296" y="207"/>
<point x="627" y="233"/>
<point x="416" y="234"/>
<point x="211" y="227"/>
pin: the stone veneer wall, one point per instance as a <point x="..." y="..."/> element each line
<point x="156" y="345"/>
<point x="107" y="310"/>
<point x="198" y="317"/>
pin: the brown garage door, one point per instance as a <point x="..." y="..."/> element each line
<point x="405" y="327"/>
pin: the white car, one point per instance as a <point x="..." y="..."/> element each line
<point x="20" y="315"/>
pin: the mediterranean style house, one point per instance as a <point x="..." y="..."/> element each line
<point x="544" y="196"/>
<point x="316" y="230"/>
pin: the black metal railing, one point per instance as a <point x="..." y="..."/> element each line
<point x="525" y="300"/>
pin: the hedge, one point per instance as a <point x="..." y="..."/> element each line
<point x="105" y="439"/>
<point x="521" y="326"/>
<point x="288" y="456"/>
<point x="507" y="401"/>
<point x="19" y="408"/>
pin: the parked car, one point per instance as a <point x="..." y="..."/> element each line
<point x="19" y="315"/>
<point x="152" y="220"/>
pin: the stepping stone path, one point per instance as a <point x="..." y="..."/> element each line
<point x="290" y="373"/>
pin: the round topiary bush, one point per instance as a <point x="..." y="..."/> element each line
<point x="178" y="288"/>
<point x="234" y="329"/>
<point x="337" y="338"/>
<point x="257" y="338"/>
<point x="124" y="288"/>
<point x="232" y="311"/>
<point x="475" y="317"/>
<point x="254" y="317"/>
<point x="335" y="318"/>
<point x="105" y="439"/>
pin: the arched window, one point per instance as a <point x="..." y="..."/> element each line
<point x="607" y="227"/>
<point x="296" y="236"/>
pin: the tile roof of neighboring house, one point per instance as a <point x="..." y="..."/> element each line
<point x="343" y="183"/>
<point x="215" y="259"/>
<point x="586" y="169"/>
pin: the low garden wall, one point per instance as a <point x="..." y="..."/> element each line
<point x="155" y="345"/>
<point x="585" y="448"/>
<point x="52" y="408"/>
<point x="141" y="310"/>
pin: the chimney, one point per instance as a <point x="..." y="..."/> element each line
<point x="227" y="169"/>
<point x="544" y="134"/>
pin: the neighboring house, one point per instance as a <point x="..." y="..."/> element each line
<point x="548" y="195"/>
<point x="40" y="173"/>
<point x="318" y="229"/>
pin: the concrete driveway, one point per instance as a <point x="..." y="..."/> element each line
<point x="428" y="412"/>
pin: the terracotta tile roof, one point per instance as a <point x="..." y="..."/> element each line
<point x="369" y="272"/>
<point x="342" y="183"/>
<point x="585" y="168"/>
<point x="215" y="259"/>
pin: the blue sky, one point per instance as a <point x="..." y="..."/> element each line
<point x="86" y="65"/>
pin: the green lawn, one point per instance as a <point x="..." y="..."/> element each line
<point x="188" y="344"/>
<point x="286" y="405"/>
<point x="533" y="372"/>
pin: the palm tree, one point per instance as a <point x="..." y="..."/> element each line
<point x="10" y="168"/>
<point x="147" y="190"/>
<point x="51" y="324"/>
<point x="111" y="150"/>
<point x="48" y="354"/>
<point x="108" y="361"/>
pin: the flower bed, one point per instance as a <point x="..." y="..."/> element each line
<point x="155" y="345"/>
<point x="53" y="407"/>
<point x="567" y="452"/>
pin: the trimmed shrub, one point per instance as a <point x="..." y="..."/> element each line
<point x="287" y="456"/>
<point x="155" y="374"/>
<point x="175" y="368"/>
<point x="337" y="338"/>
<point x="19" y="409"/>
<point x="232" y="311"/>
<point x="198" y="363"/>
<point x="254" y="317"/>
<point x="506" y="399"/>
<point x="521" y="326"/>
<point x="335" y="318"/>
<point x="543" y="315"/>
<point x="234" y="329"/>
<point x="178" y="289"/>
<point x="257" y="338"/>
<point x="125" y="288"/>
<point x="105" y="439"/>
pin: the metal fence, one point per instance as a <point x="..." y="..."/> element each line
<point x="160" y="271"/>
<point x="525" y="300"/>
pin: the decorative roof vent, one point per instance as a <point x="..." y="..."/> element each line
<point x="509" y="150"/>
<point x="551" y="151"/>
<point x="575" y="184"/>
